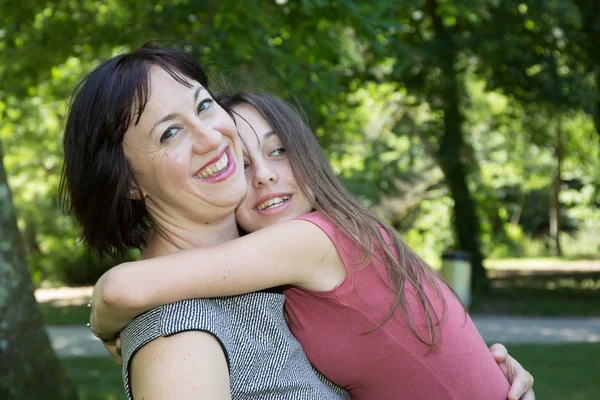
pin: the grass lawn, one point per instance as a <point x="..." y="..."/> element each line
<point x="58" y="313"/>
<point x="523" y="296"/>
<point x="543" y="287"/>
<point x="95" y="378"/>
<point x="540" y="262"/>
<point x="561" y="372"/>
<point x="565" y="372"/>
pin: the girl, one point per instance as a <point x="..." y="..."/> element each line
<point x="362" y="298"/>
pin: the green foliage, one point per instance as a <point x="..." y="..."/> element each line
<point x="378" y="81"/>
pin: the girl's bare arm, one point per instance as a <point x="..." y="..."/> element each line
<point x="290" y="253"/>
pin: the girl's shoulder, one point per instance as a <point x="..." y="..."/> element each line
<point x="319" y="219"/>
<point x="315" y="216"/>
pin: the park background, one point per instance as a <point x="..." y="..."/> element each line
<point x="471" y="125"/>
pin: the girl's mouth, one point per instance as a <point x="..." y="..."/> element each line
<point x="272" y="203"/>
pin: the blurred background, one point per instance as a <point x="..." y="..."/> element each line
<point x="470" y="125"/>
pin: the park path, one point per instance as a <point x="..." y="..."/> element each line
<point x="71" y="341"/>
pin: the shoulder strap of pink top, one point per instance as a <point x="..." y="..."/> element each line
<point x="343" y="244"/>
<point x="319" y="219"/>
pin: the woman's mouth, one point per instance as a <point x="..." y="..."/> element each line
<point x="218" y="169"/>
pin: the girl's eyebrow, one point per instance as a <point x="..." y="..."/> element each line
<point x="268" y="134"/>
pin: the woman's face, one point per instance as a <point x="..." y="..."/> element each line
<point x="185" y="154"/>
<point x="273" y="194"/>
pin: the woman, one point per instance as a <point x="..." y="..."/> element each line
<point x="263" y="208"/>
<point x="153" y="162"/>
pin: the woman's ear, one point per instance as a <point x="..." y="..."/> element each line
<point x="135" y="193"/>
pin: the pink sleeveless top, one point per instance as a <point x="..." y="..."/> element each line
<point x="390" y="362"/>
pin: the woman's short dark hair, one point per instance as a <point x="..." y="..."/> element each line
<point x="97" y="180"/>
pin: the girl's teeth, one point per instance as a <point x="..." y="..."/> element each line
<point x="271" y="202"/>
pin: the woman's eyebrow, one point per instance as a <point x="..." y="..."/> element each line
<point x="197" y="92"/>
<point x="163" y="119"/>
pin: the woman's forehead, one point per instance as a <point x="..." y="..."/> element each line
<point x="166" y="95"/>
<point x="163" y="82"/>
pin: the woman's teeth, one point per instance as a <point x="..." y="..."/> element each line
<point x="215" y="168"/>
<point x="272" y="202"/>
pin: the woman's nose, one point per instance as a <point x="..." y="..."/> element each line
<point x="206" y="138"/>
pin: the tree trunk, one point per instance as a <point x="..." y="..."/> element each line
<point x="555" y="220"/>
<point x="29" y="368"/>
<point x="516" y="217"/>
<point x="465" y="219"/>
<point x="590" y="13"/>
<point x="597" y="108"/>
<point x="451" y="152"/>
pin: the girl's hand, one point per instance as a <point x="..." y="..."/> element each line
<point x="114" y="349"/>
<point x="521" y="381"/>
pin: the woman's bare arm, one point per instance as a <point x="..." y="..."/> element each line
<point x="188" y="365"/>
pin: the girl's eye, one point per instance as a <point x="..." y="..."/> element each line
<point x="278" y="152"/>
<point x="246" y="163"/>
<point x="204" y="105"/>
<point x="169" y="133"/>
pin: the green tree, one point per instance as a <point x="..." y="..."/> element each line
<point x="385" y="85"/>
<point x="586" y="49"/>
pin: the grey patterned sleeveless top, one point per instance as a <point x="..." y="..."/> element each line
<point x="265" y="361"/>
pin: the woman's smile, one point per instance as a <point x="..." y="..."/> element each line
<point x="217" y="169"/>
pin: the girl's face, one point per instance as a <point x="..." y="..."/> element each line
<point x="273" y="194"/>
<point x="185" y="154"/>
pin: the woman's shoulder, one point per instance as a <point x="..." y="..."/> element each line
<point x="251" y="330"/>
<point x="206" y="310"/>
<point x="205" y="314"/>
<point x="224" y="318"/>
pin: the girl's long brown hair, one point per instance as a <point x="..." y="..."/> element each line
<point x="315" y="175"/>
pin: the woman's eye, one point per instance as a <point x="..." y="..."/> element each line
<point x="278" y="152"/>
<point x="204" y="105"/>
<point x="169" y="133"/>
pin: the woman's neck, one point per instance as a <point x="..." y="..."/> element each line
<point x="169" y="236"/>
